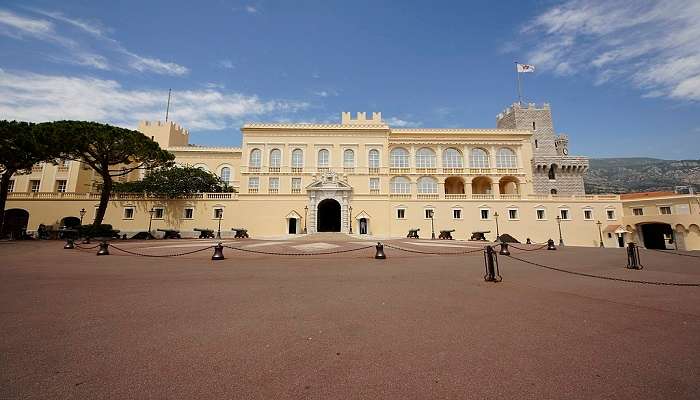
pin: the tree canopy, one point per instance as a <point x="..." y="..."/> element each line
<point x="174" y="182"/>
<point x="109" y="150"/>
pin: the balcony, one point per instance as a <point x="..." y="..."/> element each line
<point x="400" y="196"/>
<point x="252" y="190"/>
<point x="460" y="196"/>
<point x="374" y="191"/>
<point x="323" y="169"/>
<point x="428" y="196"/>
<point x="297" y="170"/>
<point x="482" y="196"/>
<point x="274" y="169"/>
<point x="507" y="170"/>
<point x="479" y="170"/>
<point x="61" y="169"/>
<point x="426" y="170"/>
<point x="348" y="170"/>
<point x="273" y="191"/>
<point x="296" y="190"/>
<point x="513" y="196"/>
<point x="373" y="171"/>
<point x="37" y="169"/>
<point x="453" y="171"/>
<point x="399" y="170"/>
<point x="253" y="169"/>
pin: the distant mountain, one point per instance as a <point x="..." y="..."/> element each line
<point x="623" y="175"/>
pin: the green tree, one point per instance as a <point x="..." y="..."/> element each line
<point x="174" y="182"/>
<point x="110" y="151"/>
<point x="22" y="144"/>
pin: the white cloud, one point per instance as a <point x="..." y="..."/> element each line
<point x="226" y="64"/>
<point x="251" y="9"/>
<point x="401" y="123"/>
<point x="652" y="45"/>
<point x="325" y="93"/>
<point x="37" y="97"/>
<point x="74" y="49"/>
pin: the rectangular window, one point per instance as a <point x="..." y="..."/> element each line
<point x="610" y="214"/>
<point x="129" y="213"/>
<point x="274" y="184"/>
<point x="588" y="215"/>
<point x="665" y="210"/>
<point x="11" y="188"/>
<point x="429" y="212"/>
<point x="189" y="212"/>
<point x="61" y="186"/>
<point x="457" y="213"/>
<point x="34" y="186"/>
<point x="484" y="212"/>
<point x="564" y="214"/>
<point x="637" y="211"/>
<point x="540" y="214"/>
<point x="374" y="185"/>
<point x="296" y="185"/>
<point x="400" y="213"/>
<point x="158" y="212"/>
<point x="218" y="213"/>
<point x="253" y="184"/>
<point x="512" y="213"/>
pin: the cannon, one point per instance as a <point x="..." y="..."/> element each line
<point x="205" y="233"/>
<point x="241" y="233"/>
<point x="170" y="233"/>
<point x="479" y="235"/>
<point x="446" y="234"/>
<point x="413" y="233"/>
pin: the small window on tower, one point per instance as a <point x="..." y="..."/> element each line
<point x="536" y="143"/>
<point x="533" y="125"/>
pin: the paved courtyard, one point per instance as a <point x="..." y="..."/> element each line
<point x="344" y="325"/>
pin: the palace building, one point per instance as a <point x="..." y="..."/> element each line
<point x="364" y="177"/>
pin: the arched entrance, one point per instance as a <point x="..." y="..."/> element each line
<point x="328" y="216"/>
<point x="656" y="235"/>
<point x="70" y="222"/>
<point x="15" y="222"/>
<point x="454" y="185"/>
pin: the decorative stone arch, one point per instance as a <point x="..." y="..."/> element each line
<point x="508" y="185"/>
<point x="454" y="185"/>
<point x="328" y="186"/>
<point x="481" y="185"/>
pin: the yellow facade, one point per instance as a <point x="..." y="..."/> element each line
<point x="360" y="175"/>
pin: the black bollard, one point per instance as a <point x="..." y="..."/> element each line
<point x="528" y="241"/>
<point x="550" y="245"/>
<point x="504" y="249"/>
<point x="104" y="249"/>
<point x="380" y="251"/>
<point x="86" y="240"/>
<point x="69" y="244"/>
<point x="218" y="252"/>
<point x="633" y="261"/>
<point x="491" y="264"/>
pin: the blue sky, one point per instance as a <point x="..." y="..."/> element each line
<point x="623" y="77"/>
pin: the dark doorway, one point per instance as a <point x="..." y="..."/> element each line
<point x="328" y="216"/>
<point x="621" y="240"/>
<point x="654" y="235"/>
<point x="292" y="225"/>
<point x="363" y="226"/>
<point x="15" y="224"/>
<point x="70" y="222"/>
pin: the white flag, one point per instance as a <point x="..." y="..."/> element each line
<point x="525" y="68"/>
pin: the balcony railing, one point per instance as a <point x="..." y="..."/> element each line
<point x="400" y="196"/>
<point x="373" y="171"/>
<point x="426" y="170"/>
<point x="61" y="169"/>
<point x="374" y="191"/>
<point x="479" y="170"/>
<point x="323" y="169"/>
<point x="428" y="196"/>
<point x="273" y="191"/>
<point x="274" y="169"/>
<point x="37" y="168"/>
<point x="507" y="170"/>
<point x="348" y="170"/>
<point x="296" y="190"/>
<point x="458" y="196"/>
<point x="399" y="170"/>
<point x="511" y="196"/>
<point x="253" y="169"/>
<point x="482" y="196"/>
<point x="453" y="170"/>
<point x="252" y="190"/>
<point x="297" y="170"/>
<point x="114" y="196"/>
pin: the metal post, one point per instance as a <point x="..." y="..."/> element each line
<point x="633" y="261"/>
<point x="432" y="224"/>
<point x="380" y="251"/>
<point x="600" y="233"/>
<point x="495" y="216"/>
<point x="350" y="219"/>
<point x="104" y="249"/>
<point x="150" y="222"/>
<point x="218" y="231"/>
<point x="82" y="214"/>
<point x="218" y="252"/>
<point x="491" y="265"/>
<point x="306" y="215"/>
<point x="69" y="244"/>
<point x="561" y="239"/>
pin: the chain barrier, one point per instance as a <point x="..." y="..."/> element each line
<point x="298" y="254"/>
<point x="159" y="255"/>
<point x="674" y="253"/>
<point x="430" y="252"/>
<point x="606" y="277"/>
<point x="544" y="246"/>
<point x="79" y="247"/>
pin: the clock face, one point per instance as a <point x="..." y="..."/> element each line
<point x="565" y="151"/>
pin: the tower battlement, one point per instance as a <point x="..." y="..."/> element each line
<point x="361" y="118"/>
<point x="167" y="134"/>
<point x="517" y="106"/>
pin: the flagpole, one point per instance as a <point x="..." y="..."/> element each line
<point x="167" y="109"/>
<point x="517" y="75"/>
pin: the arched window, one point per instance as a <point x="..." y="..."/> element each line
<point x="225" y="174"/>
<point x="425" y="158"/>
<point x="398" y="158"/>
<point x="374" y="158"/>
<point x="297" y="158"/>
<point x="323" y="158"/>
<point x="400" y="184"/>
<point x="552" y="172"/>
<point x="479" y="158"/>
<point x="452" y="158"/>
<point x="348" y="158"/>
<point x="427" y="184"/>
<point x="505" y="158"/>
<point x="275" y="158"/>
<point x="255" y="158"/>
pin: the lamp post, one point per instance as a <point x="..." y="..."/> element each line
<point x="82" y="214"/>
<point x="218" y="230"/>
<point x="306" y="213"/>
<point x="561" y="240"/>
<point x="350" y="219"/>
<point x="150" y="221"/>
<point x="495" y="216"/>
<point x="600" y="233"/>
<point x="432" y="224"/>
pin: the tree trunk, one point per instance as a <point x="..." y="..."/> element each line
<point x="104" y="199"/>
<point x="4" y="185"/>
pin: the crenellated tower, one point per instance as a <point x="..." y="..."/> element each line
<point x="554" y="171"/>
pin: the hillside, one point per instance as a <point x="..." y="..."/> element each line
<point x="622" y="175"/>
